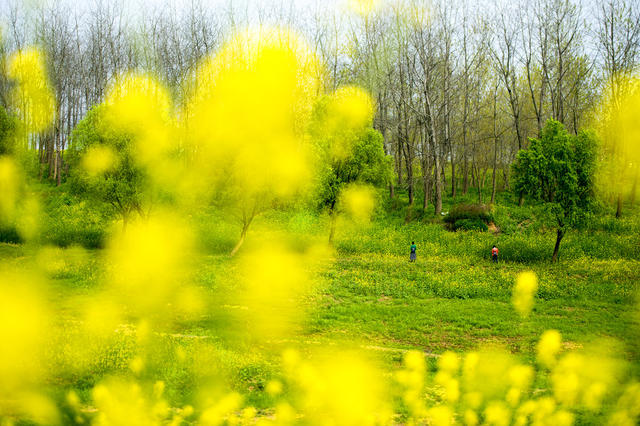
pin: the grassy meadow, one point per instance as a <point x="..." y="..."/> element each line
<point x="363" y="296"/>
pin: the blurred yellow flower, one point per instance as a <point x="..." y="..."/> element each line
<point x="548" y="347"/>
<point x="524" y="292"/>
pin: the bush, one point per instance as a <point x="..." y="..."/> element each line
<point x="71" y="221"/>
<point x="470" y="225"/>
<point x="9" y="234"/>
<point x="478" y="212"/>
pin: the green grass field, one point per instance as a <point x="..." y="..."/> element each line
<point x="365" y="295"/>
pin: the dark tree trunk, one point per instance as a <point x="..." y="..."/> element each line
<point x="426" y="183"/>
<point x="399" y="160"/>
<point x="559" y="236"/>
<point x="505" y="176"/>
<point x="619" y="206"/>
<point x="453" y="178"/>
<point x="410" y="181"/>
<point x="493" y="187"/>
<point x="438" y="202"/>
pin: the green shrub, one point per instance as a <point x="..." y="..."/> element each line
<point x="470" y="225"/>
<point x="469" y="211"/>
<point x="9" y="234"/>
<point x="70" y="221"/>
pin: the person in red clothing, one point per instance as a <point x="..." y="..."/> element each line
<point x="494" y="254"/>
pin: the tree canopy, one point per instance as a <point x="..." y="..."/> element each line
<point x="104" y="167"/>
<point x="558" y="169"/>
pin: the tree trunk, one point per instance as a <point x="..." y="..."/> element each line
<point x="619" y="206"/>
<point x="426" y="183"/>
<point x="465" y="176"/>
<point x="245" y="227"/>
<point x="559" y="236"/>
<point x="438" y="185"/>
<point x="59" y="167"/>
<point x="399" y="161"/>
<point x="521" y="199"/>
<point x="243" y="234"/>
<point x="505" y="176"/>
<point x="409" y="179"/>
<point x="493" y="186"/>
<point x="453" y="177"/>
<point x="392" y="193"/>
<point x="495" y="146"/>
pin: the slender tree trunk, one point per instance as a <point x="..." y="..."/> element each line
<point x="465" y="176"/>
<point x="473" y="174"/>
<point x="505" y="176"/>
<point x="619" y="206"/>
<point x="399" y="160"/>
<point x="428" y="184"/>
<point x="453" y="177"/>
<point x="438" y="185"/>
<point x="559" y="236"/>
<point x="246" y="221"/>
<point x="495" y="146"/>
<point x="59" y="167"/>
<point x="425" y="191"/>
<point x="493" y="184"/>
<point x="239" y="243"/>
<point x="453" y="171"/>
<point x="243" y="234"/>
<point x="479" y="193"/>
<point x="409" y="177"/>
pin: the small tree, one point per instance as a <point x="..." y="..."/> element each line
<point x="367" y="164"/>
<point x="558" y="169"/>
<point x="103" y="165"/>
<point x="350" y="149"/>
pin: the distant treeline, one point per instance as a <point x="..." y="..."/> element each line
<point x="458" y="88"/>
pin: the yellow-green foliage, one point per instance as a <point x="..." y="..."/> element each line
<point x="32" y="94"/>
<point x="245" y="126"/>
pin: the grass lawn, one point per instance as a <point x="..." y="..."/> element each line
<point x="364" y="295"/>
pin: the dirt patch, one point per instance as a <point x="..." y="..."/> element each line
<point x="493" y="228"/>
<point x="571" y="345"/>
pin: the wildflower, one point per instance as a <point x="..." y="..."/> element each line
<point x="548" y="347"/>
<point x="449" y="362"/>
<point x="497" y="414"/>
<point x="523" y="293"/>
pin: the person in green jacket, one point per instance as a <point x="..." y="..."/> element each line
<point x="412" y="255"/>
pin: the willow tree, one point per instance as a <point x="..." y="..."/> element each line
<point x="558" y="170"/>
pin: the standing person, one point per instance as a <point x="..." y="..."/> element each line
<point x="412" y="256"/>
<point x="494" y="254"/>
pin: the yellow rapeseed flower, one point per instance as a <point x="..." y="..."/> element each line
<point x="548" y="347"/>
<point x="524" y="292"/>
